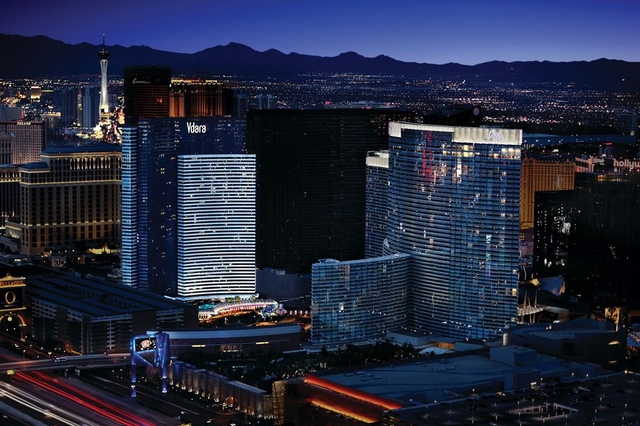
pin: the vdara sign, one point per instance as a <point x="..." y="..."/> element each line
<point x="626" y="163"/>
<point x="196" y="128"/>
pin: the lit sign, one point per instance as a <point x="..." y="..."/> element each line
<point x="626" y="163"/>
<point x="12" y="283"/>
<point x="196" y="128"/>
<point x="11" y="299"/>
<point x="142" y="344"/>
<point x="231" y="348"/>
<point x="136" y="81"/>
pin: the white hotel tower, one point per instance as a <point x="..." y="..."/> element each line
<point x="216" y="225"/>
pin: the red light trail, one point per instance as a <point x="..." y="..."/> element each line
<point x="86" y="400"/>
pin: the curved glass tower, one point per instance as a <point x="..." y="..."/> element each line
<point x="454" y="206"/>
<point x="358" y="299"/>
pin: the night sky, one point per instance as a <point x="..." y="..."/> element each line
<point x="463" y="31"/>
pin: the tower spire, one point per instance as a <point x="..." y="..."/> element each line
<point x="103" y="54"/>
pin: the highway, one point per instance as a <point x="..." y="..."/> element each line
<point x="46" y="391"/>
<point x="58" y="400"/>
<point x="43" y="398"/>
<point x="65" y="362"/>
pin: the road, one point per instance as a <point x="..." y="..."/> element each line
<point x="58" y="400"/>
<point x="62" y="363"/>
<point x="55" y="396"/>
<point x="43" y="398"/>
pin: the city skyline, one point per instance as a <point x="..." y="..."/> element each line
<point x="424" y="32"/>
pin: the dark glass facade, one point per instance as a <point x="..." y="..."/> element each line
<point x="377" y="214"/>
<point x="146" y="93"/>
<point x="311" y="182"/>
<point x="591" y="236"/>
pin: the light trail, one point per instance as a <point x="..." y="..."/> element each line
<point x="139" y="421"/>
<point x="25" y="399"/>
<point x="127" y="420"/>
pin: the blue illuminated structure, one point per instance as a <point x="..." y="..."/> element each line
<point x="161" y="158"/>
<point x="150" y="351"/>
<point x="358" y="299"/>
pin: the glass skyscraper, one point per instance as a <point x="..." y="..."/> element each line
<point x="311" y="181"/>
<point x="151" y="195"/>
<point x="358" y="299"/>
<point x="376" y="211"/>
<point x="146" y="92"/>
<point x="454" y="206"/>
<point x="216" y="225"/>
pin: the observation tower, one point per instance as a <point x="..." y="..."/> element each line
<point x="104" y="96"/>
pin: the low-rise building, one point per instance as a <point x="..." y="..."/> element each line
<point x="91" y="316"/>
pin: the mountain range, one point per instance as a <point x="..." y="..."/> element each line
<point x="40" y="56"/>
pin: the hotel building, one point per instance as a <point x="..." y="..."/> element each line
<point x="169" y="196"/>
<point x="311" y="181"/>
<point x="25" y="140"/>
<point x="358" y="299"/>
<point x="454" y="206"/>
<point x="70" y="196"/>
<point x="590" y="236"/>
<point x="9" y="192"/>
<point x="195" y="98"/>
<point x="216" y="225"/>
<point x="376" y="212"/>
<point x="146" y="93"/>
<point x="543" y="173"/>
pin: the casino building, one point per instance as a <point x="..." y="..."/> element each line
<point x="12" y="305"/>
<point x="92" y="316"/>
<point x="71" y="195"/>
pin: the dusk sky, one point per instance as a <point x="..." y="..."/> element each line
<point x="425" y="31"/>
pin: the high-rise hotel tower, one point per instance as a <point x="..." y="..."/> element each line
<point x="188" y="207"/>
<point x="311" y="181"/>
<point x="146" y="93"/>
<point x="454" y="206"/>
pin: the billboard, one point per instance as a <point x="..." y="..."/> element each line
<point x="144" y="343"/>
<point x="12" y="293"/>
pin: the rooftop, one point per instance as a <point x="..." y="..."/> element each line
<point x="432" y="379"/>
<point x="95" y="297"/>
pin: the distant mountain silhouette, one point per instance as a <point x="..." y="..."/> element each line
<point x="40" y="56"/>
